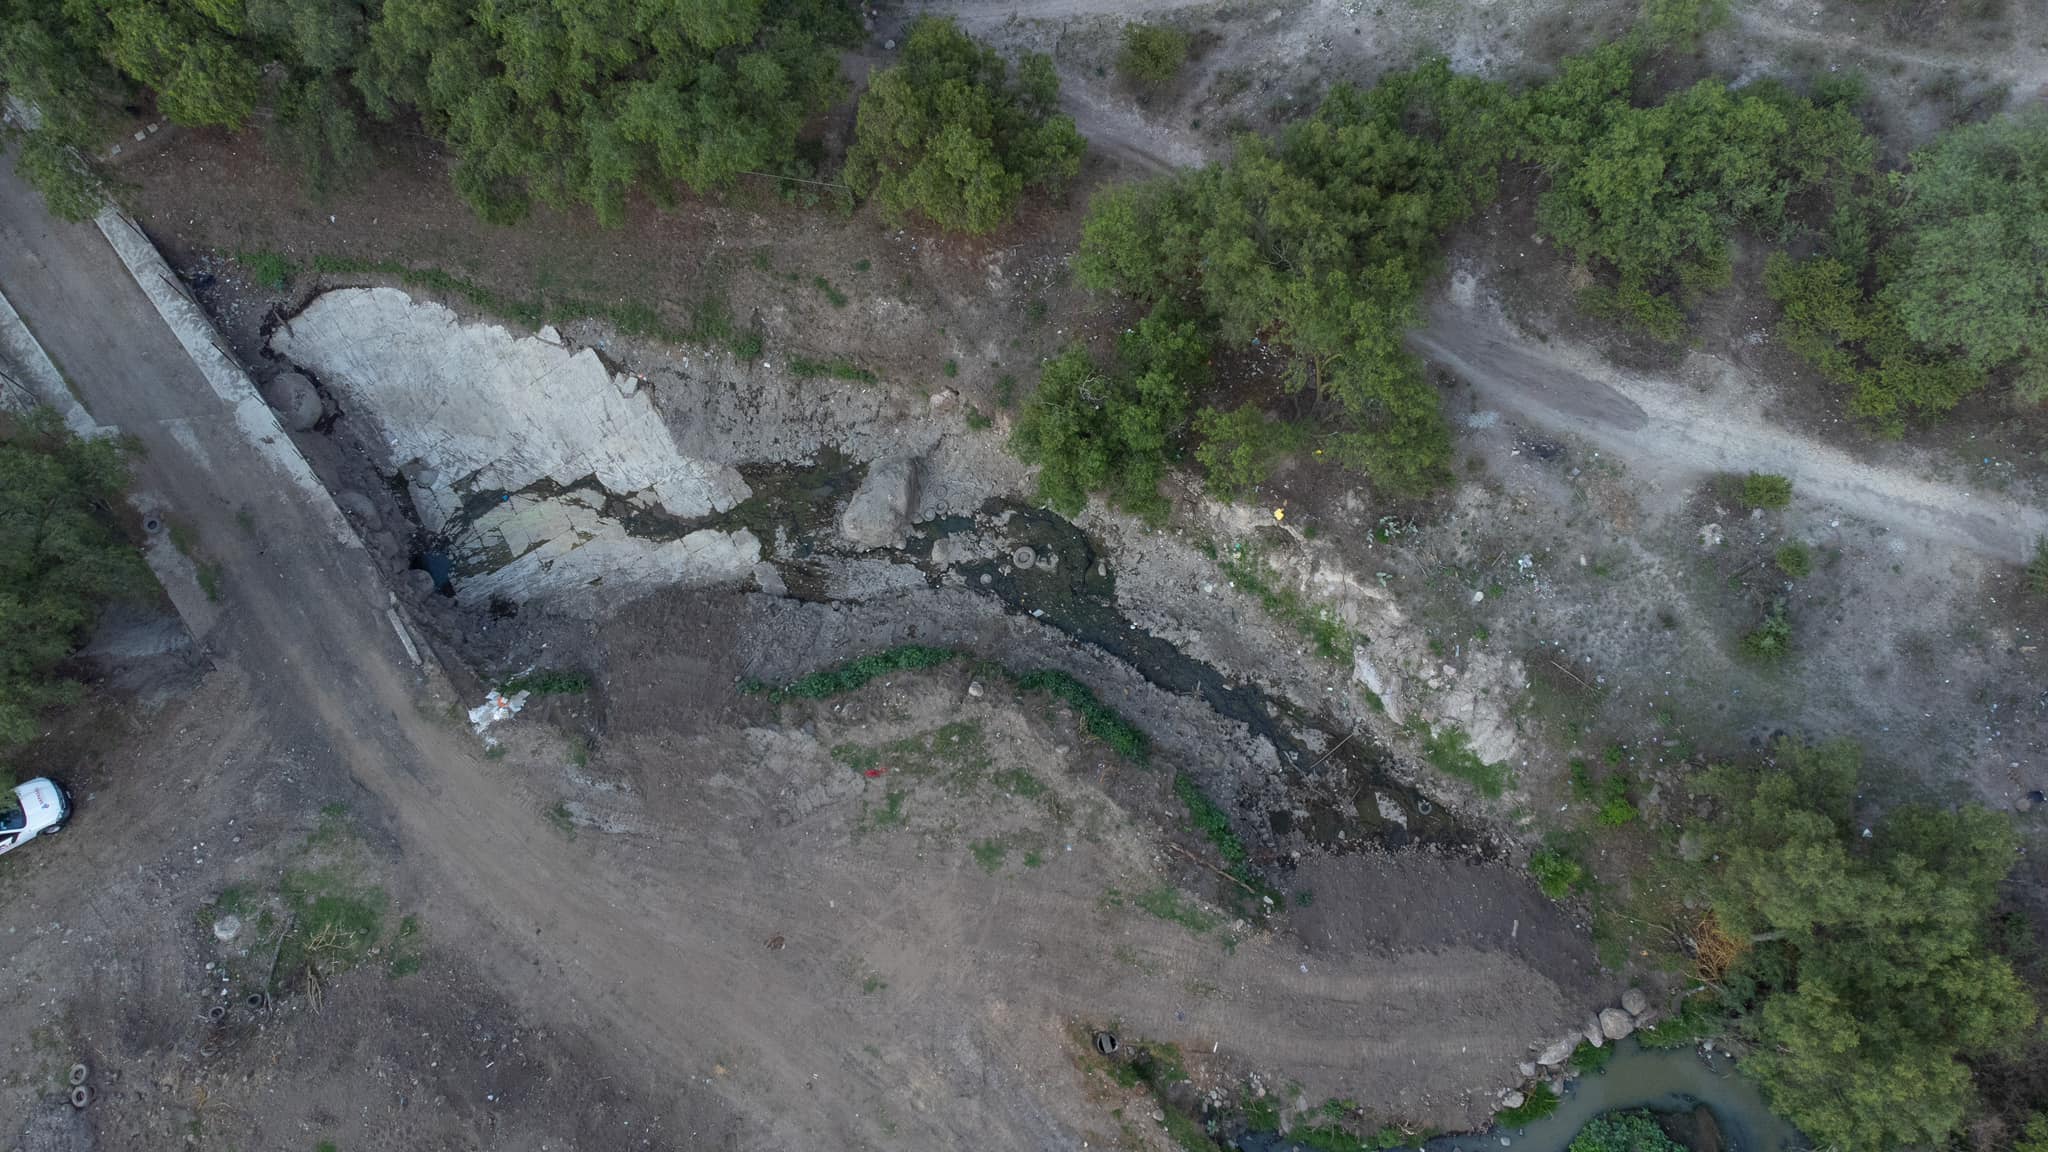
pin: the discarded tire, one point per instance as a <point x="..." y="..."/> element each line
<point x="152" y="525"/>
<point x="1023" y="558"/>
<point x="256" y="1002"/>
<point x="1424" y="807"/>
<point x="81" y="1096"/>
<point x="217" y="1013"/>
<point x="1105" y="1043"/>
<point x="78" y="1074"/>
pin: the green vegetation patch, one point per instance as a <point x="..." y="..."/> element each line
<point x="837" y="369"/>
<point x="1557" y="872"/>
<point x="856" y="673"/>
<point x="1863" y="970"/>
<point x="1766" y="490"/>
<point x="1539" y="1101"/>
<point x="1330" y="637"/>
<point x="1623" y="1132"/>
<point x="1171" y="905"/>
<point x="1449" y="750"/>
<point x="1102" y="721"/>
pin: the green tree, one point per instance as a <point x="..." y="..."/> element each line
<point x="945" y="133"/>
<point x="1971" y="253"/>
<point x="1869" y="977"/>
<point x="1114" y="430"/>
<point x="62" y="555"/>
<point x="1152" y="54"/>
<point x="1239" y="447"/>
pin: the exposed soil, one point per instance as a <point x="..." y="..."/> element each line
<point x="666" y="913"/>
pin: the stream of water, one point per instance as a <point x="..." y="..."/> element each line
<point x="1662" y="1080"/>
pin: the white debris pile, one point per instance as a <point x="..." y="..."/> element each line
<point x="496" y="706"/>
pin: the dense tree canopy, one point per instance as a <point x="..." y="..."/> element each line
<point x="1869" y="978"/>
<point x="61" y="556"/>
<point x="557" y="100"/>
<point x="945" y="133"/>
<point x="1650" y="195"/>
<point x="585" y="100"/>
<point x="1320" y="244"/>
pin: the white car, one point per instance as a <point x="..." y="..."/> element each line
<point x="37" y="808"/>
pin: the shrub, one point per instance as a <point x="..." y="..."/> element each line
<point x="1770" y="641"/>
<point x="945" y="134"/>
<point x="1615" y="808"/>
<point x="1152" y="54"/>
<point x="2037" y="568"/>
<point x="1795" y="560"/>
<point x="1622" y="1132"/>
<point x="1764" y="490"/>
<point x="1680" y="23"/>
<point x="1556" y="872"/>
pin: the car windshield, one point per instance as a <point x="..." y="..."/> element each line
<point x="12" y="818"/>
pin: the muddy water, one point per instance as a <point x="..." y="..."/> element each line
<point x="1078" y="597"/>
<point x="1669" y="1081"/>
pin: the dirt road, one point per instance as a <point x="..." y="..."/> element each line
<point x="1676" y="433"/>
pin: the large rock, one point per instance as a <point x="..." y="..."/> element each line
<point x="1615" y="1023"/>
<point x="879" y="514"/>
<point x="1512" y="1099"/>
<point x="1592" y="1032"/>
<point x="296" y="400"/>
<point x="1558" y="1051"/>
<point x="1634" y="1002"/>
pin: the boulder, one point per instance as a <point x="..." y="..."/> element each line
<point x="1615" y="1023"/>
<point x="1591" y="1031"/>
<point x="296" y="400"/>
<point x="1512" y="1099"/>
<point x="1634" y="1002"/>
<point x="879" y="514"/>
<point x="359" y="506"/>
<point x="1558" y="1051"/>
<point x="1527" y="1068"/>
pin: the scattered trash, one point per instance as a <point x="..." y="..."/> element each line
<point x="874" y="772"/>
<point x="496" y="706"/>
<point x="227" y="928"/>
<point x="775" y="943"/>
<point x="1279" y="513"/>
